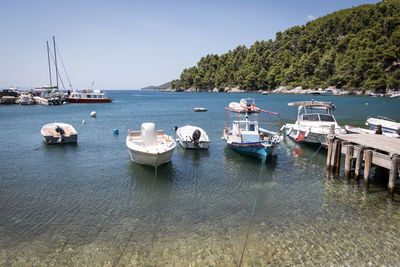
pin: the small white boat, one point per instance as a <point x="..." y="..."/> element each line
<point x="25" y="99"/>
<point x="312" y="126"/>
<point x="149" y="146"/>
<point x="388" y="125"/>
<point x="358" y="130"/>
<point x="59" y="133"/>
<point x="395" y="95"/>
<point x="200" y="109"/>
<point x="192" y="137"/>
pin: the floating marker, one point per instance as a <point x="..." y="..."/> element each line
<point x="115" y="131"/>
<point x="83" y="121"/>
<point x="93" y="114"/>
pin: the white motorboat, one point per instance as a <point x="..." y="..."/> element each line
<point x="25" y="99"/>
<point x="312" y="126"/>
<point x="88" y="96"/>
<point x="59" y="133"/>
<point x="388" y="125"/>
<point x="192" y="137"/>
<point x="149" y="146"/>
<point x="358" y="130"/>
<point x="200" y="109"/>
<point x="246" y="135"/>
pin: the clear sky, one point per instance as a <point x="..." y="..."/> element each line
<point x="129" y="44"/>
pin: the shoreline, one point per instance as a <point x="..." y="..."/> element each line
<point x="294" y="91"/>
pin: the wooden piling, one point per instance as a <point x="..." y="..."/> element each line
<point x="359" y="161"/>
<point x="349" y="156"/>
<point x="393" y="175"/>
<point x="333" y="155"/>
<point x="378" y="129"/>
<point x="338" y="157"/>
<point x="329" y="155"/>
<point x="367" y="168"/>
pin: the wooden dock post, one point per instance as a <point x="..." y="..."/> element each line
<point x="359" y="161"/>
<point x="347" y="165"/>
<point x="333" y="155"/>
<point x="393" y="175"/>
<point x="338" y="157"/>
<point x="367" y="168"/>
<point x="329" y="156"/>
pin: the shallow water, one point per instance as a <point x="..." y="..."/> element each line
<point x="87" y="204"/>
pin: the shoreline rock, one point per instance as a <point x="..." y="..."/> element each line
<point x="331" y="90"/>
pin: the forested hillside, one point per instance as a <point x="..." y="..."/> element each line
<point x="356" y="48"/>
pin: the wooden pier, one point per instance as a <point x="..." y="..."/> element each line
<point x="370" y="149"/>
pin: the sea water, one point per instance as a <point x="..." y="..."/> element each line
<point x="89" y="205"/>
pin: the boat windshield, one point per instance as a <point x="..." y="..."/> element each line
<point x="310" y="117"/>
<point x="318" y="117"/>
<point x="326" y="117"/>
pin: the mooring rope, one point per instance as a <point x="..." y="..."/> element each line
<point x="251" y="220"/>
<point x="316" y="152"/>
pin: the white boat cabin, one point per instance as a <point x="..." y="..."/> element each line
<point x="248" y="130"/>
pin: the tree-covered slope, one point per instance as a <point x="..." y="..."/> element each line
<point x="353" y="48"/>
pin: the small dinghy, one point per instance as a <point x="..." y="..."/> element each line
<point x="199" y="109"/>
<point x="149" y="146"/>
<point x="192" y="137"/>
<point x="59" y="133"/>
<point x="388" y="126"/>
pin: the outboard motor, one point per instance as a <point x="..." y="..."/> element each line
<point x="61" y="132"/>
<point x="196" y="137"/>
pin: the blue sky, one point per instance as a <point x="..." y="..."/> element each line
<point x="125" y="44"/>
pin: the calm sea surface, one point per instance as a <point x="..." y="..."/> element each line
<point x="89" y="205"/>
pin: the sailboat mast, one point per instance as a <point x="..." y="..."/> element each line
<point x="48" y="60"/>
<point x="55" y="59"/>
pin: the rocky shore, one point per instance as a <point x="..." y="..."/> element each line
<point x="285" y="90"/>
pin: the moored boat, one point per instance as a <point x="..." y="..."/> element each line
<point x="311" y="126"/>
<point x="25" y="99"/>
<point x="88" y="96"/>
<point x="358" y="130"/>
<point x="150" y="146"/>
<point x="59" y="133"/>
<point x="388" y="125"/>
<point x="200" y="109"/>
<point x="246" y="136"/>
<point x="192" y="137"/>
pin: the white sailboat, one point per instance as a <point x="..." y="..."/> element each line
<point x="311" y="126"/>
<point x="149" y="146"/>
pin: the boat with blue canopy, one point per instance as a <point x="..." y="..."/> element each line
<point x="246" y="135"/>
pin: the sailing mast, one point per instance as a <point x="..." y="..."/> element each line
<point x="55" y="59"/>
<point x="48" y="60"/>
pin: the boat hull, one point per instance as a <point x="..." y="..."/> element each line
<point x="312" y="138"/>
<point x="78" y="100"/>
<point x="190" y="145"/>
<point x="256" y="149"/>
<point x="150" y="159"/>
<point x="73" y="138"/>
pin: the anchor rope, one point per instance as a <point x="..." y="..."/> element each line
<point x="316" y="152"/>
<point x="251" y="220"/>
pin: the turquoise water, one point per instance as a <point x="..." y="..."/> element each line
<point x="89" y="205"/>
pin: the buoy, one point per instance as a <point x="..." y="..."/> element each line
<point x="115" y="131"/>
<point x="93" y="114"/>
<point x="366" y="103"/>
<point x="83" y="121"/>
